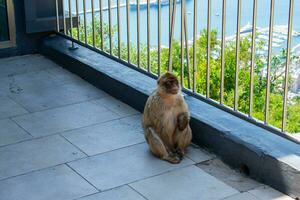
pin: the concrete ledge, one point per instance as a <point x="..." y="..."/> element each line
<point x="267" y="157"/>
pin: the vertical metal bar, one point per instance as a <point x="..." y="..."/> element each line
<point x="119" y="29"/>
<point x="93" y="22"/>
<point x="170" y="18"/>
<point x="128" y="29"/>
<point x="194" y="45"/>
<point x="171" y="35"/>
<point x="223" y="52"/>
<point x="253" y="47"/>
<point x="182" y="44"/>
<point x="187" y="47"/>
<point x="269" y="61"/>
<point x="57" y="16"/>
<point x="64" y="17"/>
<point x="138" y="32"/>
<point x="208" y="47"/>
<point x="78" y="23"/>
<point x="71" y="17"/>
<point x="237" y="56"/>
<point x="159" y="36"/>
<point x="84" y="21"/>
<point x="110" y="28"/>
<point x="101" y="24"/>
<point x="286" y="81"/>
<point x="148" y="37"/>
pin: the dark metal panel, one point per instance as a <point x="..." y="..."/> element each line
<point x="41" y="16"/>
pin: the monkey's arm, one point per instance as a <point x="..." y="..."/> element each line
<point x="183" y="120"/>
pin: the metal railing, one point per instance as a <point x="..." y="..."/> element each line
<point x="188" y="49"/>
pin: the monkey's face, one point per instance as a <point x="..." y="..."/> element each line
<point x="168" y="84"/>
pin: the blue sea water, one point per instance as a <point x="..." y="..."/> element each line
<point x="263" y="14"/>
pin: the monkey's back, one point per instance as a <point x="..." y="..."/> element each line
<point x="162" y="115"/>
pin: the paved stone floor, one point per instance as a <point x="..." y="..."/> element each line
<point x="63" y="139"/>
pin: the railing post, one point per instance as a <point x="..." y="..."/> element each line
<point x="138" y="32"/>
<point x="148" y="37"/>
<point x="57" y="16"/>
<point x="223" y="52"/>
<point x="194" y="45"/>
<point x="128" y="29"/>
<point x="252" y="56"/>
<point x="286" y="79"/>
<point x="159" y="37"/>
<point x="109" y="27"/>
<point x="208" y="47"/>
<point x="73" y="47"/>
<point x="101" y="25"/>
<point x="269" y="61"/>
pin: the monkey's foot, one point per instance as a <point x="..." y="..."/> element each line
<point x="172" y="159"/>
<point x="179" y="153"/>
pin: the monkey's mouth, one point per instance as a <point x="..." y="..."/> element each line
<point x="173" y="91"/>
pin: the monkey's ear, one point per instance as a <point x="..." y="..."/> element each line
<point x="158" y="81"/>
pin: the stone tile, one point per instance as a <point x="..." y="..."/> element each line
<point x="11" y="133"/>
<point x="268" y="193"/>
<point x="123" y="166"/>
<point x="242" y="196"/>
<point x="197" y="154"/>
<point x="9" y="108"/>
<point x="45" y="98"/>
<point x="120" y="193"/>
<point x="24" y="64"/>
<point x="64" y="76"/>
<point x="57" y="183"/>
<point x="105" y="136"/>
<point x="116" y="106"/>
<point x="133" y="121"/>
<point x="36" y="154"/>
<point x="231" y="177"/>
<point x="64" y="118"/>
<point x="189" y="183"/>
<point x="28" y="82"/>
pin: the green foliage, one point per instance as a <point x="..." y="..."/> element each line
<point x="259" y="78"/>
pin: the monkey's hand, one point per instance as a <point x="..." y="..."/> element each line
<point x="182" y="121"/>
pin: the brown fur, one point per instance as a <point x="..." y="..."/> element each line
<point x="166" y="120"/>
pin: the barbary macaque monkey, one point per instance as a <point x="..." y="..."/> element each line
<point x="166" y="120"/>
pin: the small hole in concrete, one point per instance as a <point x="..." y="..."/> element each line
<point x="245" y="169"/>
